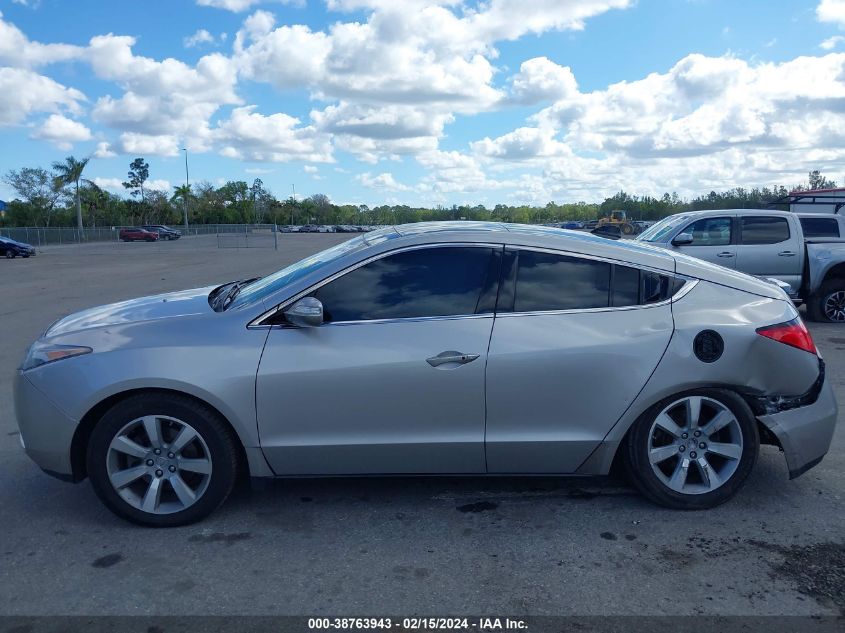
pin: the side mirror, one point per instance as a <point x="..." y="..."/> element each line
<point x="682" y="239"/>
<point x="307" y="312"/>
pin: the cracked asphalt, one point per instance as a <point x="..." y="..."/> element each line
<point x="434" y="546"/>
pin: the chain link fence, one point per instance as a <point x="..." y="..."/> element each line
<point x="228" y="235"/>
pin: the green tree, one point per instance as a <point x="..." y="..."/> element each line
<point x="39" y="189"/>
<point x="68" y="173"/>
<point x="139" y="171"/>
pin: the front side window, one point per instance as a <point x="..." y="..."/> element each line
<point x="430" y="282"/>
<point x="710" y="232"/>
<point x="764" y="230"/>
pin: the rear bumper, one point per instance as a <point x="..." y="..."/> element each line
<point x="805" y="433"/>
<point x="46" y="432"/>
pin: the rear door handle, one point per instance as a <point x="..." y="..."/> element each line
<point x="458" y="358"/>
<point x="725" y="254"/>
<point x="786" y="254"/>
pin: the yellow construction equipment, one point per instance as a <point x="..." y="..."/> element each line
<point x="620" y="219"/>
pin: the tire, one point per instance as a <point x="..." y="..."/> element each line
<point x="10" y="255"/>
<point x="827" y="305"/>
<point x="213" y="455"/>
<point x="698" y="490"/>
<point x="627" y="229"/>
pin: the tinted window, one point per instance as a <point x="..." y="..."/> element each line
<point x="710" y="232"/>
<point x="626" y="286"/>
<point x="820" y="227"/>
<point x="764" y="230"/>
<point x="556" y="282"/>
<point x="418" y="283"/>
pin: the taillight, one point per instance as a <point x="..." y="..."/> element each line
<point x="792" y="333"/>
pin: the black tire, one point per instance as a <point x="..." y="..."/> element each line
<point x="816" y="303"/>
<point x="10" y="255"/>
<point x="639" y="469"/>
<point x="216" y="433"/>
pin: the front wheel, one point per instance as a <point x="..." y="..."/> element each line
<point x="162" y="460"/>
<point x="828" y="303"/>
<point x="10" y="255"/>
<point x="694" y="450"/>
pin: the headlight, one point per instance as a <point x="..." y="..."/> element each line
<point x="41" y="353"/>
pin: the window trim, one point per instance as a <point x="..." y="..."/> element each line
<point x="258" y="322"/>
<point x="763" y="215"/>
<point x="735" y="228"/>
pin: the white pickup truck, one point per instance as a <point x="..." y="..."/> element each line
<point x="806" y="251"/>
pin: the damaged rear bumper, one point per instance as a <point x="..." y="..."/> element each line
<point x="804" y="431"/>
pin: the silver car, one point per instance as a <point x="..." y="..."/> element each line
<point x="459" y="348"/>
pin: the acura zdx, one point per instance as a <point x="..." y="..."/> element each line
<point x="484" y="348"/>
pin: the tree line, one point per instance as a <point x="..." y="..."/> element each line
<point x="60" y="196"/>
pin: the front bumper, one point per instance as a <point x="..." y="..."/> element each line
<point x="805" y="432"/>
<point x="46" y="432"/>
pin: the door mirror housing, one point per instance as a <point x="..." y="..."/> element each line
<point x="307" y="312"/>
<point x="682" y="239"/>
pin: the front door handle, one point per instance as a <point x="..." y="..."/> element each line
<point x="451" y="357"/>
<point x="786" y="254"/>
<point x="725" y="254"/>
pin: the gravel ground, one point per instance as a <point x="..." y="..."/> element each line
<point x="399" y="545"/>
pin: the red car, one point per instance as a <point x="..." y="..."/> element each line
<point x="135" y="234"/>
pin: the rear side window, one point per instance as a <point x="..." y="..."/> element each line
<point x="548" y="282"/>
<point x="556" y="282"/>
<point x="429" y="282"/>
<point x="763" y="230"/>
<point x="710" y="232"/>
<point x="820" y="227"/>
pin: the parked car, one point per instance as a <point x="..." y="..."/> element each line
<point x="10" y="248"/>
<point x="766" y="244"/>
<point x="598" y="350"/>
<point x="137" y="234"/>
<point x="573" y="226"/>
<point x="164" y="232"/>
<point x="591" y="224"/>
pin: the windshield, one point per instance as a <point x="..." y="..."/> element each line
<point x="656" y="232"/>
<point x="278" y="280"/>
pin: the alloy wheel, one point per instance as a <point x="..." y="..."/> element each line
<point x="695" y="445"/>
<point x="159" y="464"/>
<point x="834" y="306"/>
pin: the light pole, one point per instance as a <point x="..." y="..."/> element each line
<point x="187" y="189"/>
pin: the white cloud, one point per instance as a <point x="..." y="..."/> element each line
<point x="104" y="150"/>
<point x="229" y="5"/>
<point x="832" y="42"/>
<point x="381" y="181"/>
<point x="17" y="50"/>
<point x="201" y="36"/>
<point x="540" y="79"/>
<point x="522" y="143"/>
<point x="23" y="92"/>
<point x="115" y="185"/>
<point x="310" y="169"/>
<point x="274" y="138"/>
<point x="831" y="11"/>
<point x="144" y="144"/>
<point x="63" y="132"/>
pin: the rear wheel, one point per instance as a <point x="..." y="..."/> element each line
<point x="162" y="460"/>
<point x="828" y="304"/>
<point x="694" y="450"/>
<point x="10" y="254"/>
<point x="627" y="229"/>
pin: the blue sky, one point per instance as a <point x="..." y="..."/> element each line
<point x="427" y="102"/>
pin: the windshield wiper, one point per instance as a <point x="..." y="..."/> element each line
<point x="222" y="300"/>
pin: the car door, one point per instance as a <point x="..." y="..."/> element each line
<point x="713" y="240"/>
<point x="393" y="381"/>
<point x="769" y="247"/>
<point x="574" y="342"/>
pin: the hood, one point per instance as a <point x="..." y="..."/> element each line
<point x="164" y="306"/>
<point x="700" y="269"/>
<point x="16" y="243"/>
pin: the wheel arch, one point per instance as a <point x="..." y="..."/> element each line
<point x="607" y="456"/>
<point x="82" y="434"/>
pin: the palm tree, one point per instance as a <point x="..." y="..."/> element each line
<point x="183" y="193"/>
<point x="70" y="172"/>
